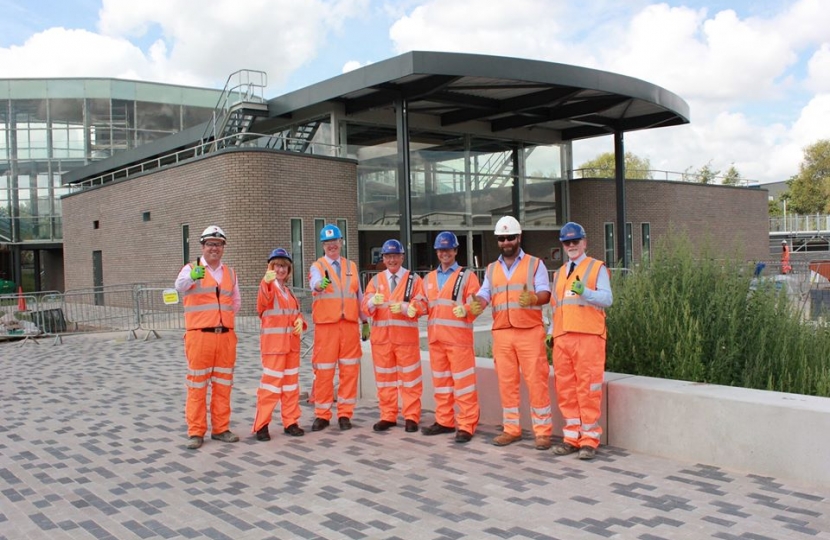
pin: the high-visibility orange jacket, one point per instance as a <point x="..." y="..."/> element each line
<point x="388" y="327"/>
<point x="278" y="313"/>
<point x="442" y="325"/>
<point x="570" y="312"/>
<point x="339" y="300"/>
<point x="209" y="304"/>
<point x="504" y="295"/>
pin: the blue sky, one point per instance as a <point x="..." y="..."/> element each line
<point x="756" y="74"/>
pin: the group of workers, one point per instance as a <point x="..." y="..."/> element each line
<point x="515" y="286"/>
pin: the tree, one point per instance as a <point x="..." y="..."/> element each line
<point x="705" y="174"/>
<point x="732" y="176"/>
<point x="775" y="209"/>
<point x="809" y="190"/>
<point x="602" y="166"/>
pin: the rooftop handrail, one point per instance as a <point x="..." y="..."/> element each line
<point x="795" y="223"/>
<point x="244" y="85"/>
<point x="659" y="174"/>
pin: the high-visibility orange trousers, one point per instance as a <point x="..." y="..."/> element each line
<point x="279" y="385"/>
<point x="523" y="349"/>
<point x="398" y="372"/>
<point x="454" y="383"/>
<point x="210" y="361"/>
<point x="336" y="345"/>
<point x="578" y="368"/>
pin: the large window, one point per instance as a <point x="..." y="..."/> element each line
<point x="297" y="251"/>
<point x="610" y="256"/>
<point x="645" y="232"/>
<point x="318" y="245"/>
<point x="343" y="226"/>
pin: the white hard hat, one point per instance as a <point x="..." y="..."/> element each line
<point x="783" y="241"/>
<point x="508" y="225"/>
<point x="212" y="232"/>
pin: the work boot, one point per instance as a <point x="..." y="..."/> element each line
<point x="587" y="452"/>
<point x="194" y="442"/>
<point x="225" y="436"/>
<point x="262" y="434"/>
<point x="505" y="438"/>
<point x="437" y="429"/>
<point x="345" y="423"/>
<point x="542" y="443"/>
<point x="463" y="436"/>
<point x="294" y="430"/>
<point x="411" y="426"/>
<point x="563" y="449"/>
<point x="383" y="425"/>
<point x="319" y="424"/>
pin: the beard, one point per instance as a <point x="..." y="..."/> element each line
<point x="509" y="251"/>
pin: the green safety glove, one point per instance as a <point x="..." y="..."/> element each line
<point x="549" y="341"/>
<point x="578" y="287"/>
<point x="325" y="282"/>
<point x="396" y="307"/>
<point x="270" y="276"/>
<point x="364" y="331"/>
<point x="298" y="326"/>
<point x="411" y="311"/>
<point x="197" y="272"/>
<point x="459" y="311"/>
<point x="377" y="299"/>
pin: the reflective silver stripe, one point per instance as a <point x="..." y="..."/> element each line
<point x="591" y="434"/>
<point x="457" y="323"/>
<point x="496" y="290"/>
<point x="514" y="305"/>
<point x="325" y="366"/>
<point x="442" y="302"/>
<point x="226" y="370"/>
<point x="386" y="369"/>
<point x="590" y="427"/>
<point x="203" y="307"/>
<point x="346" y="401"/>
<point x="271" y="372"/>
<point x="596" y="387"/>
<point x="395" y="322"/>
<point x="349" y="361"/>
<point x="410" y="384"/>
<point x="572" y="421"/>
<point x="276" y="311"/>
<point x="386" y="384"/>
<point x="192" y="384"/>
<point x="197" y="372"/>
<point x="465" y="373"/>
<point x="570" y="433"/>
<point x="292" y="371"/>
<point x="222" y="381"/>
<point x="509" y="410"/>
<point x="579" y="301"/>
<point x="270" y="387"/>
<point x="443" y="390"/>
<point x="510" y="421"/>
<point x="541" y="412"/>
<point x="324" y="406"/>
<point x="466" y="390"/>
<point x="410" y="368"/>
<point x="289" y="387"/>
<point x="542" y="421"/>
<point x="267" y="331"/>
<point x="223" y="292"/>
<point x="441" y="374"/>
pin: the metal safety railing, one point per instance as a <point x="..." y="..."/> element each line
<point x="120" y="308"/>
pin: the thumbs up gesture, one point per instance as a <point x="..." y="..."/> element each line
<point x="578" y="287"/>
<point x="527" y="298"/>
<point x="377" y="299"/>
<point x="298" y="326"/>
<point x="197" y="272"/>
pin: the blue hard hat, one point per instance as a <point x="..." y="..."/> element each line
<point x="330" y="232"/>
<point x="571" y="231"/>
<point x="445" y="240"/>
<point x="280" y="253"/>
<point x="391" y="247"/>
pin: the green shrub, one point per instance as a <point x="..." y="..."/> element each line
<point x="691" y="316"/>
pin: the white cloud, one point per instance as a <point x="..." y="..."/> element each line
<point x="352" y="65"/>
<point x="818" y="69"/>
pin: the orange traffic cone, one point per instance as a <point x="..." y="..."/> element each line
<point x="21" y="302"/>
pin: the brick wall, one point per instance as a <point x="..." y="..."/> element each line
<point x="251" y="194"/>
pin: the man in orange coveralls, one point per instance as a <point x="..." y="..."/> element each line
<point x="394" y="300"/>
<point x="279" y="342"/>
<point x="211" y="300"/>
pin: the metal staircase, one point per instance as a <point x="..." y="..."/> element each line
<point x="242" y="101"/>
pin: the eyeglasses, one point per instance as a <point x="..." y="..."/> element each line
<point x="508" y="238"/>
<point x="571" y="242"/>
<point x="214" y="244"/>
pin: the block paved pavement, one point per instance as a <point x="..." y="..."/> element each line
<point x="92" y="446"/>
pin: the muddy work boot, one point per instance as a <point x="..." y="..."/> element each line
<point x="225" y="436"/>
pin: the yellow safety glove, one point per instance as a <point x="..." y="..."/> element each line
<point x="459" y="311"/>
<point x="411" y="311"/>
<point x="197" y="272"/>
<point x="270" y="276"/>
<point x="527" y="298"/>
<point x="578" y="287"/>
<point x="476" y="307"/>
<point x="549" y="341"/>
<point x="325" y="282"/>
<point x="364" y="331"/>
<point x="395" y="308"/>
<point x="377" y="299"/>
<point x="298" y="326"/>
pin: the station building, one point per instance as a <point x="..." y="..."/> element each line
<point x="404" y="148"/>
